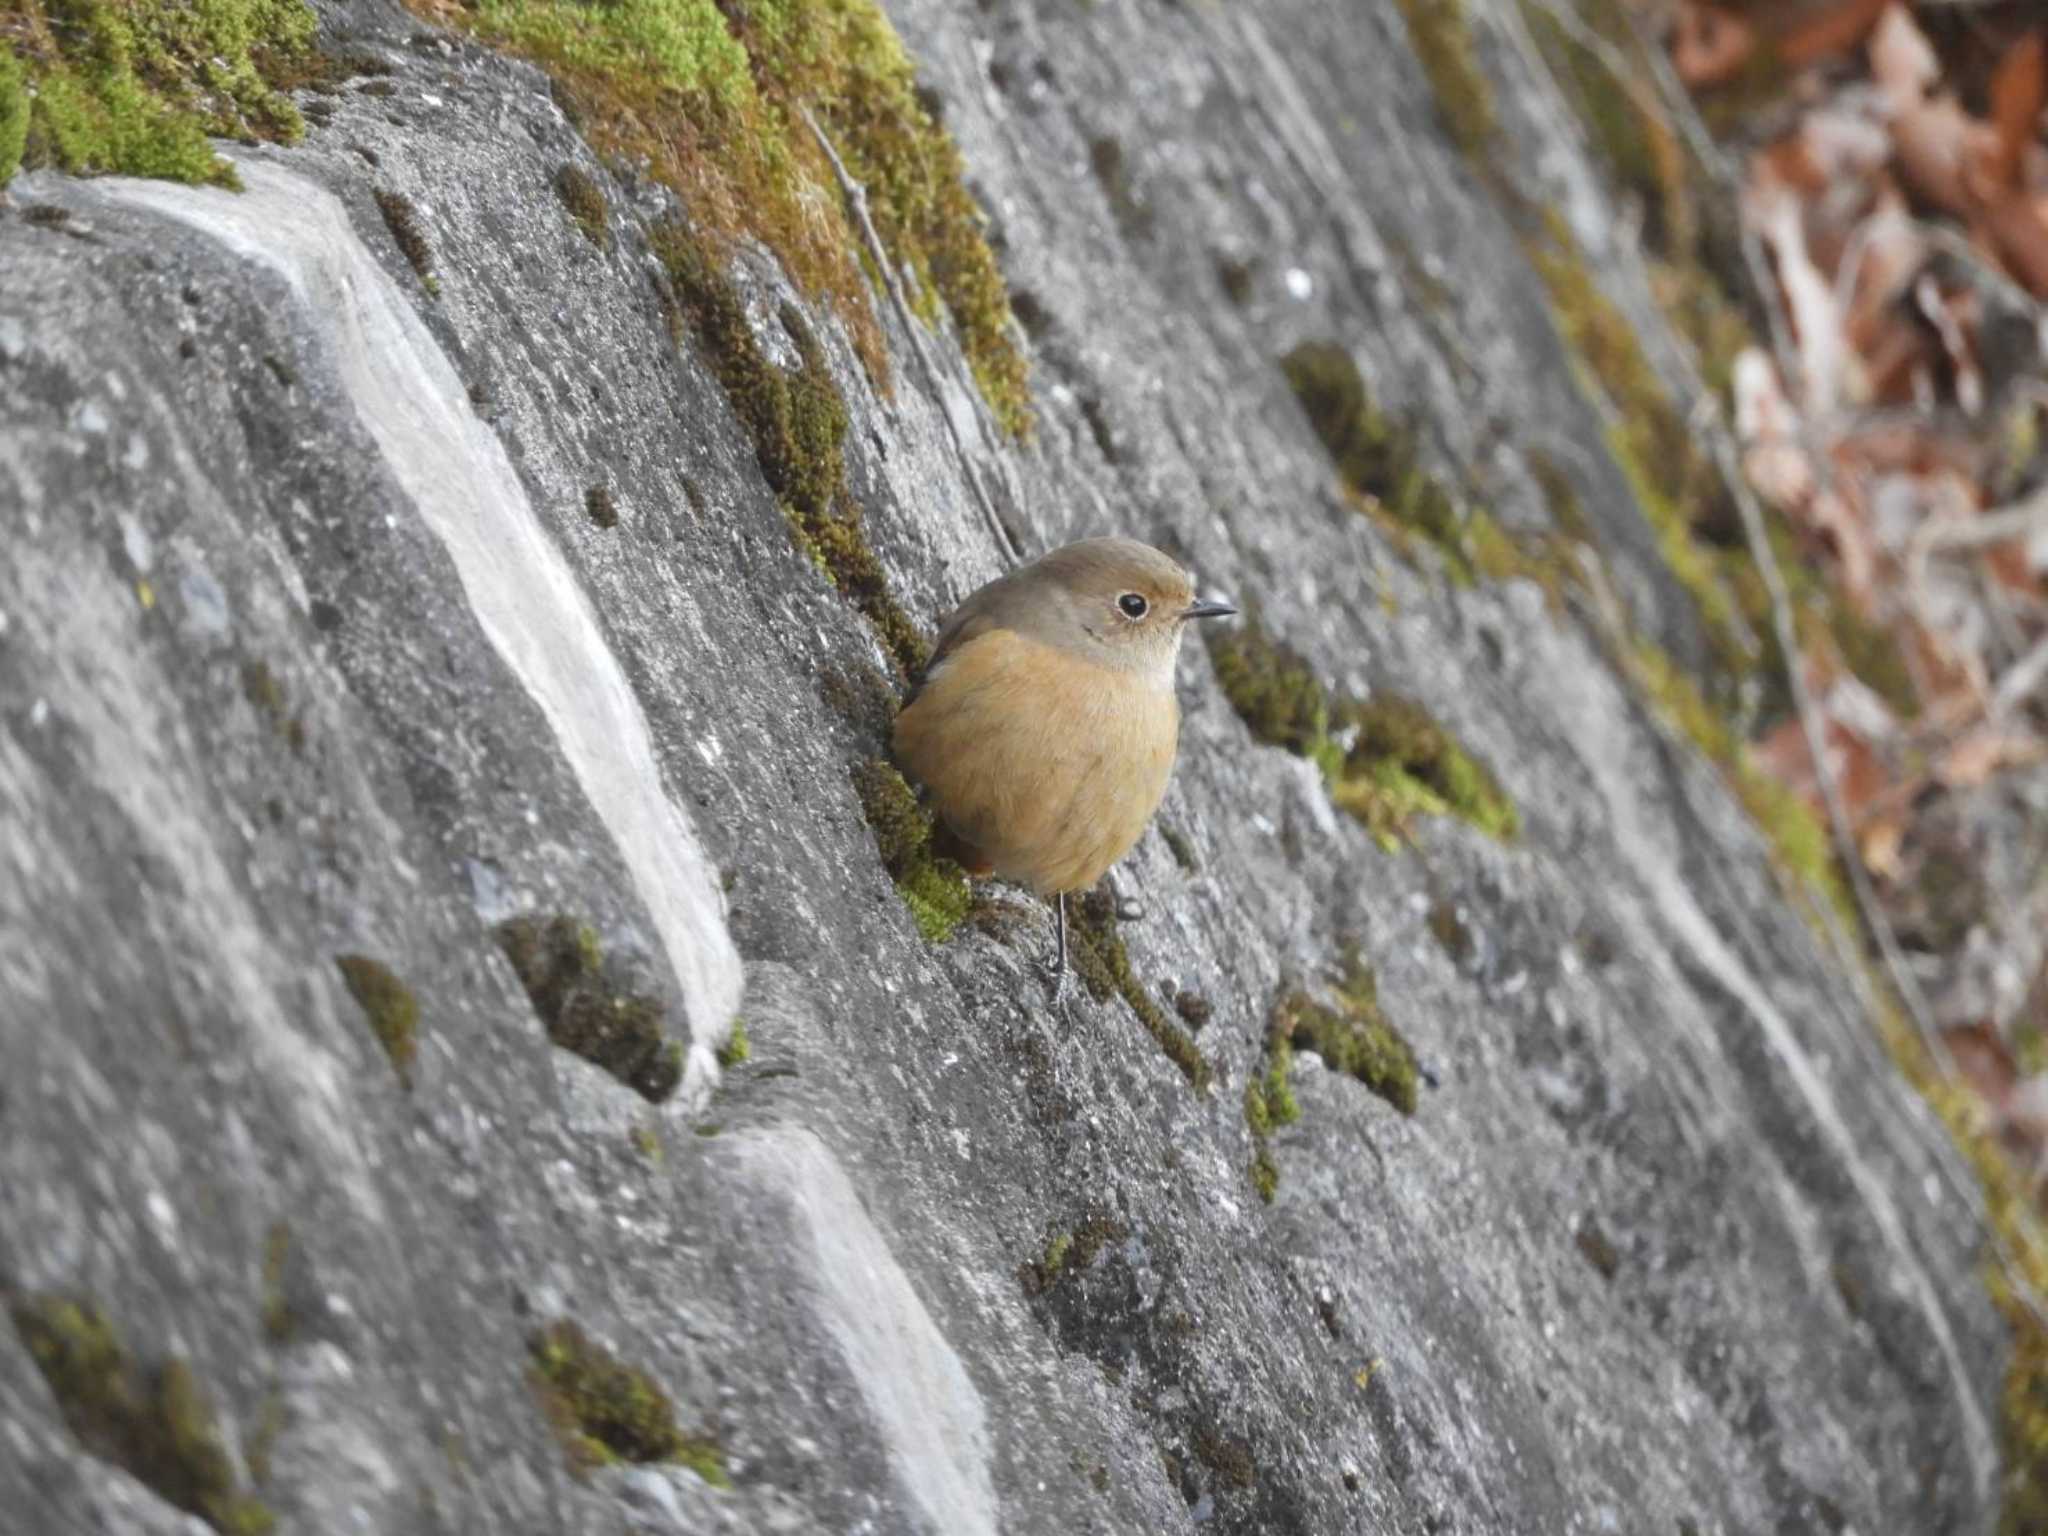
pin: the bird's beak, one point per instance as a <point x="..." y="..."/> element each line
<point x="1208" y="608"/>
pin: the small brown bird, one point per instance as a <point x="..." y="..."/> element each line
<point x="1045" y="724"/>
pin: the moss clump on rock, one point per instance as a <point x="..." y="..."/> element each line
<point x="157" y="1425"/>
<point x="1097" y="952"/>
<point x="136" y="88"/>
<point x="586" y="203"/>
<point x="389" y="1006"/>
<point x="1350" y="1033"/>
<point x="1379" y="463"/>
<point x="797" y="423"/>
<point x="714" y="98"/>
<point x="1071" y="1252"/>
<point x="403" y="220"/>
<point x="1385" y="759"/>
<point x="933" y="887"/>
<point x="561" y="964"/>
<point x="605" y="1411"/>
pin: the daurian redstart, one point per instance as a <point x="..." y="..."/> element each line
<point x="1044" y="726"/>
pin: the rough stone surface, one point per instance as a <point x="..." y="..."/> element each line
<point x="1666" y="1247"/>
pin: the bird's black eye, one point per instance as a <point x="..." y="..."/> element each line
<point x="1133" y="605"/>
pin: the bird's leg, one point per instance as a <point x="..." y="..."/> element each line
<point x="1059" y="964"/>
<point x="1127" y="910"/>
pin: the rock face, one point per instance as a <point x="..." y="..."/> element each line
<point x="393" y="677"/>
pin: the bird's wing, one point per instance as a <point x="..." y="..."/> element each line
<point x="977" y="616"/>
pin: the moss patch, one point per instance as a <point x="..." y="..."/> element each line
<point x="1384" y="759"/>
<point x="797" y="423"/>
<point x="1071" y="1252"/>
<point x="605" y="1411"/>
<point x="587" y="204"/>
<point x="1097" y="952"/>
<point x="403" y="220"/>
<point x="1440" y="33"/>
<point x="1379" y="462"/>
<point x="600" y="508"/>
<point x="95" y="86"/>
<point x="712" y="98"/>
<point x="934" y="888"/>
<point x="737" y="1047"/>
<point x="1797" y="839"/>
<point x="561" y="964"/>
<point x="157" y="1425"/>
<point x="1350" y="1033"/>
<point x="390" y="1008"/>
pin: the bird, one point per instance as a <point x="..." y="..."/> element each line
<point x="1044" y="727"/>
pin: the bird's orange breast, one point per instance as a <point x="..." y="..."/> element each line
<point x="1047" y="763"/>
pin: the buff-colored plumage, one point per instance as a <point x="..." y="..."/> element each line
<point x="1045" y="726"/>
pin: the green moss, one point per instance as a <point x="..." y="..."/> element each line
<point x="737" y="1047"/>
<point x="1351" y="1034"/>
<point x="389" y="1006"/>
<point x="797" y="423"/>
<point x="1097" y="952"/>
<point x="586" y="203"/>
<point x="14" y="114"/>
<point x="561" y="965"/>
<point x="403" y="220"/>
<point x="605" y="1411"/>
<point x="94" y="86"/>
<point x="1375" y="456"/>
<point x="1440" y="33"/>
<point x="1180" y="847"/>
<point x="1795" y="835"/>
<point x="279" y="1323"/>
<point x="260" y="686"/>
<point x="156" y="1425"/>
<point x="713" y="98"/>
<point x="1632" y="139"/>
<point x="1384" y="759"/>
<point x="934" y="888"/>
<point x="1228" y="1456"/>
<point x="1072" y="1251"/>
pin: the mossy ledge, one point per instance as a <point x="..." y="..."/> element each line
<point x="797" y="423"/>
<point x="604" y="1411"/>
<point x="934" y="888"/>
<point x="561" y="964"/>
<point x="136" y="89"/>
<point x="1352" y="1036"/>
<point x="712" y="96"/>
<point x="1097" y="952"/>
<point x="390" y="1008"/>
<point x="1384" y="759"/>
<point x="157" y="1425"/>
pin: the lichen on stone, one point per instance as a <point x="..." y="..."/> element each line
<point x="390" y="1008"/>
<point x="561" y="964"/>
<point x="604" y="1411"/>
<point x="156" y="1424"/>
